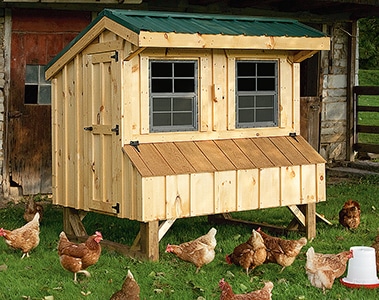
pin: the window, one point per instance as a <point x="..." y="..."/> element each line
<point x="37" y="89"/>
<point x="173" y="96"/>
<point x="256" y="94"/>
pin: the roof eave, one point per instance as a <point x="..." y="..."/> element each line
<point x="219" y="41"/>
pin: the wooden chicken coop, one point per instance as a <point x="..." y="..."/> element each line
<point x="158" y="116"/>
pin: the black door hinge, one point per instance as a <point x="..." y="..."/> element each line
<point x="135" y="144"/>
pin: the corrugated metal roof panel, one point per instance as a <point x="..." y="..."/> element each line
<point x="209" y="23"/>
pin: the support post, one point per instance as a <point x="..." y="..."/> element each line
<point x="310" y="220"/>
<point x="150" y="240"/>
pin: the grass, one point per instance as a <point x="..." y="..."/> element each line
<point x="41" y="276"/>
<point x="368" y="77"/>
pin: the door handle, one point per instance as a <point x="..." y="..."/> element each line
<point x="89" y="128"/>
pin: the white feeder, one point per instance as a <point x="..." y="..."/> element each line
<point x="361" y="268"/>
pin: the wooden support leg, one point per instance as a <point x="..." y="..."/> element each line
<point x="72" y="222"/>
<point x="310" y="220"/>
<point x="150" y="240"/>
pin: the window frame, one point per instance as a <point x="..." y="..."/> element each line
<point x="274" y="93"/>
<point x="174" y="95"/>
<point x="38" y="82"/>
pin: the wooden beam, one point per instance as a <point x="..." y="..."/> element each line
<point x="310" y="219"/>
<point x="303" y="55"/>
<point x="149" y="240"/>
<point x="164" y="227"/>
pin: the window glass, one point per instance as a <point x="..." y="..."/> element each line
<point x="173" y="96"/>
<point x="256" y="94"/>
<point x="37" y="89"/>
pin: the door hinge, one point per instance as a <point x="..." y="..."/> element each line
<point x="116" y="129"/>
<point x="135" y="144"/>
<point x="115" y="56"/>
<point x="293" y="135"/>
<point x="116" y="207"/>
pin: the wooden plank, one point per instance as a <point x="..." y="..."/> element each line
<point x="209" y="41"/>
<point x="371" y="148"/>
<point x="307" y="150"/>
<point x="154" y="160"/>
<point x="195" y="157"/>
<point x="247" y="189"/>
<point x="289" y="151"/>
<point x="136" y="160"/>
<point x="225" y="191"/>
<point x="297" y="213"/>
<point x="153" y="198"/>
<point x="164" y="227"/>
<point x="205" y="81"/>
<point x="308" y="186"/>
<point x="310" y="219"/>
<point x="321" y="182"/>
<point x="150" y="240"/>
<point x="215" y="155"/>
<point x="202" y="194"/>
<point x="104" y="47"/>
<point x="174" y="158"/>
<point x="367" y="129"/>
<point x="234" y="154"/>
<point x="290" y="185"/>
<point x="177" y="196"/>
<point x="269" y="187"/>
<point x="255" y="155"/>
<point x="272" y="153"/>
<point x="303" y="55"/>
<point x="296" y="97"/>
<point x="366" y="90"/>
<point x="368" y="108"/>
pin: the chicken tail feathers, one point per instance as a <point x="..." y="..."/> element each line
<point x="85" y="272"/>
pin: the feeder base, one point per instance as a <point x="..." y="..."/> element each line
<point x="359" y="285"/>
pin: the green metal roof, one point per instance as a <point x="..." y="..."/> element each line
<point x="190" y="23"/>
<point x="154" y="21"/>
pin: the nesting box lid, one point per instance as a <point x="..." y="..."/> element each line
<point x="203" y="31"/>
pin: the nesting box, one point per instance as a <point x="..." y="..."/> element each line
<point x="161" y="115"/>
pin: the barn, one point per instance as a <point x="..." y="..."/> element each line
<point x="162" y="115"/>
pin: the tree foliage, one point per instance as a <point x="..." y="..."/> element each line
<point x="369" y="43"/>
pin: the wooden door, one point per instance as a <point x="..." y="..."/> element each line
<point x="102" y="136"/>
<point x="37" y="36"/>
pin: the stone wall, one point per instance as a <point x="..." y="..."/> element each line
<point x="334" y="68"/>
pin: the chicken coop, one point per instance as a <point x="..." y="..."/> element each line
<point x="158" y="116"/>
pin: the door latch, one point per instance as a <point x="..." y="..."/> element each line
<point x="89" y="128"/>
<point x="116" y="129"/>
<point x="115" y="56"/>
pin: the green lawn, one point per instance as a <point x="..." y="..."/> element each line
<point x="41" y="275"/>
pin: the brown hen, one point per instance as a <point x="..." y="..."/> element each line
<point x="323" y="269"/>
<point x="281" y="251"/>
<point x="129" y="291"/>
<point x="250" y="254"/>
<point x="25" y="238"/>
<point x="375" y="245"/>
<point x="31" y="208"/>
<point x="228" y="294"/>
<point x="199" y="252"/>
<point x="350" y="214"/>
<point x="76" y="258"/>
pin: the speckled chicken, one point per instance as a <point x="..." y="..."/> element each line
<point x="25" y="238"/>
<point x="323" y="269"/>
<point x="228" y="294"/>
<point x="350" y="214"/>
<point x="282" y="251"/>
<point x="129" y="291"/>
<point x="250" y="254"/>
<point x="199" y="251"/>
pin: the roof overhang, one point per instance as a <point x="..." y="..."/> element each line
<point x="230" y="32"/>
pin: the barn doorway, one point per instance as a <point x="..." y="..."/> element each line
<point x="37" y="37"/>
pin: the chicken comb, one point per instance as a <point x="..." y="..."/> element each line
<point x="98" y="233"/>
